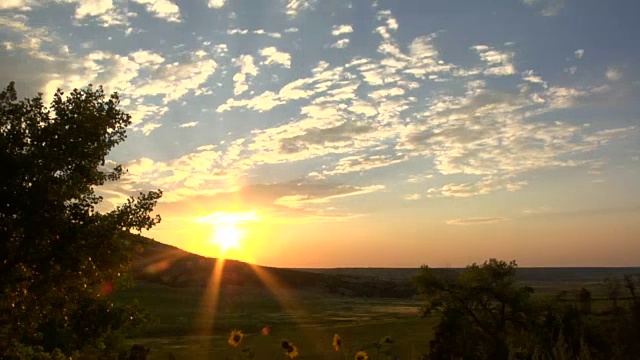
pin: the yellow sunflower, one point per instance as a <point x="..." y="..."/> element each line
<point x="235" y="338"/>
<point x="361" y="355"/>
<point x="337" y="342"/>
<point x="290" y="350"/>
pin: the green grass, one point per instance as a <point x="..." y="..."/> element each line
<point x="183" y="330"/>
<point x="181" y="322"/>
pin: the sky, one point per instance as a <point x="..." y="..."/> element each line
<point x="370" y="133"/>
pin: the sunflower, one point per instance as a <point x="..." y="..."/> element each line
<point x="337" y="342"/>
<point x="290" y="350"/>
<point x="235" y="338"/>
<point x="361" y="355"/>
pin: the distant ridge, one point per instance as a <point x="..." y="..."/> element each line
<point x="170" y="266"/>
<point x="524" y="274"/>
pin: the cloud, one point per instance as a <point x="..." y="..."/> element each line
<point x="413" y="197"/>
<point x="295" y="199"/>
<point x="548" y="213"/>
<point x="149" y="127"/>
<point x="147" y="58"/>
<point x="579" y="54"/>
<point x="340" y="44"/>
<point x="531" y="77"/>
<point x="341" y="29"/>
<point x="164" y="9"/>
<point x="140" y="112"/>
<point x="613" y="74"/>
<point x="476" y="221"/>
<point x="215" y="4"/>
<point x="263" y="102"/>
<point x="247" y="67"/>
<point x="175" y="80"/>
<point x="499" y="62"/>
<point x="547" y="7"/>
<point x="485" y="186"/>
<point x="91" y="8"/>
<point x="272" y="56"/>
<point x="295" y="7"/>
<point x="15" y="4"/>
<point x="398" y="101"/>
<point x="360" y="163"/>
<point x="237" y="31"/>
<point x="35" y="41"/>
<point x="189" y="124"/>
<point x="321" y="136"/>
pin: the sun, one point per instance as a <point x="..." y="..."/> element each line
<point x="227" y="236"/>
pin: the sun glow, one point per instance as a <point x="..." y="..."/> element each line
<point x="227" y="236"/>
<point x="228" y="229"/>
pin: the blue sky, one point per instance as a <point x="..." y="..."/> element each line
<point x="457" y="130"/>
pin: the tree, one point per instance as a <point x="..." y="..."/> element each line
<point x="56" y="249"/>
<point x="614" y="291"/>
<point x="584" y="299"/>
<point x="481" y="308"/>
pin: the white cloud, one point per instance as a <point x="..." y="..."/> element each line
<point x="35" y="41"/>
<point x="189" y="124"/>
<point x="149" y="127"/>
<point x="485" y="186"/>
<point x="362" y="163"/>
<point x="147" y="58"/>
<point x="237" y="31"/>
<point x="531" y="77"/>
<point x="141" y="112"/>
<point x="91" y="7"/>
<point x="15" y="4"/>
<point x="176" y="79"/>
<point x="216" y="4"/>
<point x="413" y="197"/>
<point x="271" y="56"/>
<point x="340" y="44"/>
<point x="247" y="67"/>
<point x="613" y="74"/>
<point x="579" y="54"/>
<point x="263" y="102"/>
<point x="294" y="7"/>
<point x="164" y="9"/>
<point x="499" y="62"/>
<point x="341" y="29"/>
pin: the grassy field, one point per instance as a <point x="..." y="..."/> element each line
<point x="189" y="325"/>
<point x="307" y="319"/>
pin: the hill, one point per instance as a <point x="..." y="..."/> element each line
<point x="170" y="266"/>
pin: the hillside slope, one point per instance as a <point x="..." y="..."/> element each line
<point x="170" y="266"/>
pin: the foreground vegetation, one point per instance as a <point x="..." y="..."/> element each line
<point x="315" y="318"/>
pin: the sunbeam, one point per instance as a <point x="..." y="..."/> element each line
<point x="287" y="300"/>
<point x="209" y="305"/>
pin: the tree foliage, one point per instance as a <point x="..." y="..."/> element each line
<point x="482" y="303"/>
<point x="485" y="314"/>
<point x="57" y="250"/>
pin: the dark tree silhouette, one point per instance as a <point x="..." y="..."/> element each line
<point x="584" y="299"/>
<point x="56" y="250"/>
<point x="480" y="308"/>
